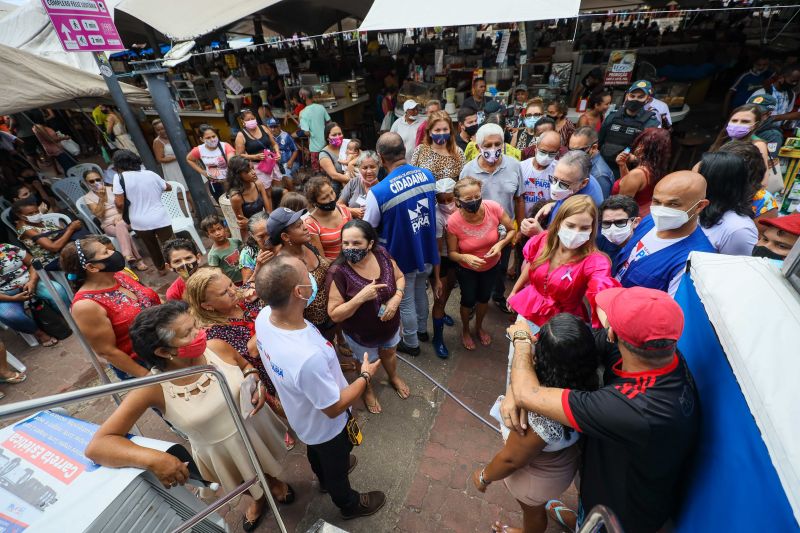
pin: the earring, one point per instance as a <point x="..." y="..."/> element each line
<point x="171" y="357"/>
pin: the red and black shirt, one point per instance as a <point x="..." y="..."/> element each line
<point x="641" y="429"/>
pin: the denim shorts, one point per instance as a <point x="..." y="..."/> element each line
<point x="358" y="349"/>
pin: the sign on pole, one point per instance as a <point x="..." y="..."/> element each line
<point x="83" y="25"/>
<point x="620" y="67"/>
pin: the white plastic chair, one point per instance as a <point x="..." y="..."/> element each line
<point x="69" y="190"/>
<point x="4" y="204"/>
<point x="88" y="219"/>
<point x="230" y="216"/>
<point x="27" y="337"/>
<point x="181" y="222"/>
<point x="78" y="170"/>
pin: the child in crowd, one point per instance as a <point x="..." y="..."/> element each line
<point x="183" y="258"/>
<point x="294" y="201"/>
<point x="224" y="252"/>
<point x="352" y="152"/>
<point x="290" y="155"/>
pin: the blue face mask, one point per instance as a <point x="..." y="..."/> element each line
<point x="530" y="122"/>
<point x="313" y="286"/>
<point x="440" y="138"/>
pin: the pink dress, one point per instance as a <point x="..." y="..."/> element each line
<point x="562" y="289"/>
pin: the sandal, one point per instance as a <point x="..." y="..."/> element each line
<point x="18" y="377"/>
<point x="52" y="341"/>
<point x="140" y="265"/>
<point x="554" y="509"/>
<point x="467" y="341"/>
<point x="403" y="392"/>
<point x="497" y="527"/>
<point x="484" y="338"/>
<point x="250" y="525"/>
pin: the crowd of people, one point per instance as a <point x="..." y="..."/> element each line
<point x="572" y="230"/>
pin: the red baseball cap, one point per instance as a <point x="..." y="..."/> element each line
<point x="789" y="223"/>
<point x="639" y="315"/>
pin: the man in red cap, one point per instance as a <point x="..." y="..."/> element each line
<point x="778" y="237"/>
<point x="640" y="427"/>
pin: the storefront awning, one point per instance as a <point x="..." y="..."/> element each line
<point x="30" y="81"/>
<point x="391" y="15"/>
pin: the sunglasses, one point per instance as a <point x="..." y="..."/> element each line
<point x="98" y="180"/>
<point x="561" y="183"/>
<point x="620" y="223"/>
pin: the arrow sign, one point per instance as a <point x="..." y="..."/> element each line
<point x="72" y="19"/>
<point x="66" y="32"/>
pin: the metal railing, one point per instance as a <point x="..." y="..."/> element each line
<point x="599" y="516"/>
<point x="29" y="407"/>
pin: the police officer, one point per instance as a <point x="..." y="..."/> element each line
<point x="622" y="126"/>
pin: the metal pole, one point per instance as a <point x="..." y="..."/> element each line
<point x="127" y="113"/>
<point x="154" y="75"/>
<point x="199" y="517"/>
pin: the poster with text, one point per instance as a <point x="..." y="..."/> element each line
<point x="620" y="67"/>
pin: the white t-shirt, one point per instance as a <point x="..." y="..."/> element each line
<point x="734" y="234"/>
<point x="409" y="134"/>
<point x="305" y="371"/>
<point x="650" y="244"/>
<point x="661" y="109"/>
<point x="143" y="190"/>
<point x="537" y="183"/>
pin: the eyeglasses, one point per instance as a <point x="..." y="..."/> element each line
<point x="620" y="223"/>
<point x="545" y="152"/>
<point x="558" y="181"/>
<point x="584" y="149"/>
<point x="98" y="180"/>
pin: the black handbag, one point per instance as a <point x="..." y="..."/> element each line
<point x="48" y="319"/>
<point x="126" y="208"/>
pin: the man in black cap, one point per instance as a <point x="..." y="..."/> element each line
<point x="590" y="83"/>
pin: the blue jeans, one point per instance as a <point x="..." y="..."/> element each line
<point x="13" y="314"/>
<point x="414" y="305"/>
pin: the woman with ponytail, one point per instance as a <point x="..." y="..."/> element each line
<point x="106" y="301"/>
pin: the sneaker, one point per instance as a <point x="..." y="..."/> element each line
<point x="501" y="304"/>
<point x="369" y="503"/>
<point x="413" y="351"/>
<point x="423" y="336"/>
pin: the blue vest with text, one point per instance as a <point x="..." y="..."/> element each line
<point x="655" y="271"/>
<point x="407" y="200"/>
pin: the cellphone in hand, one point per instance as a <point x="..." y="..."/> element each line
<point x="627" y="150"/>
<point x="381" y="310"/>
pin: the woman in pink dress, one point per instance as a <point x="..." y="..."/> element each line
<point x="562" y="265"/>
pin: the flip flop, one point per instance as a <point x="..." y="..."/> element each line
<point x="497" y="527"/>
<point x="52" y="342"/>
<point x="397" y="390"/>
<point x="19" y="377"/>
<point x="484" y="338"/>
<point x="554" y="509"/>
<point x="469" y="346"/>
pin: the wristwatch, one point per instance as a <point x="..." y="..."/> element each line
<point x="521" y="336"/>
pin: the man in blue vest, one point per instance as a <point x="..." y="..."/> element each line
<point x="655" y="256"/>
<point x="402" y="208"/>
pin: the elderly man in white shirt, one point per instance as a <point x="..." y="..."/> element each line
<point x="407" y="126"/>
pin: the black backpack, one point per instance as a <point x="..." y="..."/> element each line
<point x="48" y="319"/>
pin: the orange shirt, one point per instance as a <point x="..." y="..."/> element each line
<point x="331" y="238"/>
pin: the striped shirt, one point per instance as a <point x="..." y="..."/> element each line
<point x="331" y="238"/>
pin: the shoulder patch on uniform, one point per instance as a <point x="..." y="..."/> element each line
<point x="758" y="99"/>
<point x="641" y="84"/>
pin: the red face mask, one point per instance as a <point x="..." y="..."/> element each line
<point x="194" y="349"/>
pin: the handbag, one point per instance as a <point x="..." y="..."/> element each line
<point x="71" y="147"/>
<point x="48" y="319"/>
<point x="126" y="214"/>
<point x="267" y="165"/>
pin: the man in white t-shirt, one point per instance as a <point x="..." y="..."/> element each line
<point x="537" y="170"/>
<point x="407" y="126"/>
<point x="308" y="378"/>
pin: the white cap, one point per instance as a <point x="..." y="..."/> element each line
<point x="445" y="185"/>
<point x="409" y="104"/>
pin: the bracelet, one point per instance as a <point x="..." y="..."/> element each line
<point x="401" y="291"/>
<point x="483" y="481"/>
<point x="366" y="376"/>
<point x="250" y="371"/>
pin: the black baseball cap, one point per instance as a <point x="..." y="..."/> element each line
<point x="280" y="219"/>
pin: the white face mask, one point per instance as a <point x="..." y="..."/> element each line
<point x="448" y="208"/>
<point x="668" y="218"/>
<point x="618" y="235"/>
<point x="34" y="219"/>
<point x="558" y="193"/>
<point x="572" y="239"/>
<point x="212" y="143"/>
<point x="544" y="159"/>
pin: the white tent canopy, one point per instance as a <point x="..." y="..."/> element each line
<point x="188" y="20"/>
<point x="30" y="82"/>
<point x="390" y="15"/>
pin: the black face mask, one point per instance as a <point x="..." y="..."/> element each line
<point x="471" y="206"/>
<point x="472" y="130"/>
<point x="329" y="206"/>
<point x="634" y="106"/>
<point x="113" y="263"/>
<point x="763" y="251"/>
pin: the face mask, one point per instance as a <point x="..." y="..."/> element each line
<point x="34" y="219"/>
<point x="440" y="138"/>
<point x="251" y="124"/>
<point x="572" y="239"/>
<point x="113" y="263"/>
<point x="737" y="131"/>
<point x="491" y="155"/>
<point x="471" y="206"/>
<point x="617" y="235"/>
<point x="558" y="193"/>
<point x="194" y="349"/>
<point x="448" y="208"/>
<point x="328" y="206"/>
<point x="212" y="143"/>
<point x="369" y="182"/>
<point x="544" y="159"/>
<point x="530" y="122"/>
<point x="668" y="218"/>
<point x="763" y="251"/>
<point x="336" y="142"/>
<point x="354" y="255"/>
<point x="313" y="286"/>
<point x="186" y="269"/>
<point x="634" y="106"/>
<point x="471" y="130"/>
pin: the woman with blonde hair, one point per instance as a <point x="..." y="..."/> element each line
<point x="438" y="151"/>
<point x="562" y="266"/>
